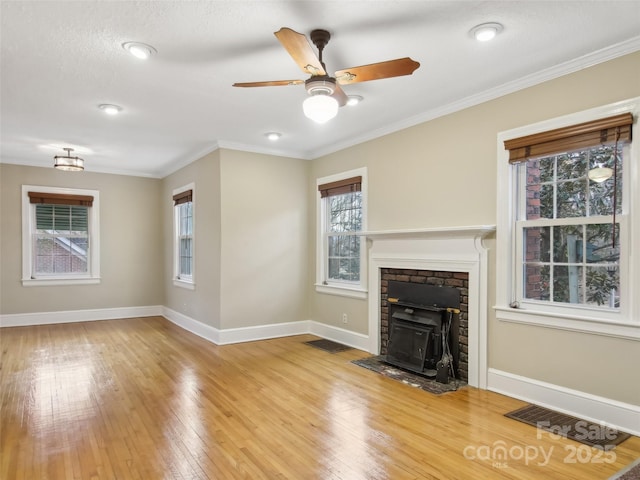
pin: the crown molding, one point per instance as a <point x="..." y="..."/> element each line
<point x="594" y="58"/>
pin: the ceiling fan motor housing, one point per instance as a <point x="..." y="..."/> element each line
<point x="320" y="38"/>
<point x="320" y="85"/>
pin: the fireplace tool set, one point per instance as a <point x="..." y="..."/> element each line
<point x="444" y="367"/>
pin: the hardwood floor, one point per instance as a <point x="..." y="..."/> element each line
<point x="143" y="399"/>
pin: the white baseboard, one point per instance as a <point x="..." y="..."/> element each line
<point x="263" y="332"/>
<point x="340" y="335"/>
<point x="71" y="316"/>
<point x="619" y="415"/>
<point x="235" y="335"/>
<point x="214" y="335"/>
<point x="192" y="325"/>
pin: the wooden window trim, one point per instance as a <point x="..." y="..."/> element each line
<point x="183" y="197"/>
<point x="574" y="137"/>
<point x="60" y="199"/>
<point x="348" y="185"/>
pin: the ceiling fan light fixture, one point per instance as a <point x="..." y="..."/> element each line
<point x="599" y="173"/>
<point x="320" y="107"/>
<point x="486" y="31"/>
<point x="139" y="50"/>
<point x="67" y="162"/>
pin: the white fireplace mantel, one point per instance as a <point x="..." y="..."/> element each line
<point x="439" y="232"/>
<point x="450" y="249"/>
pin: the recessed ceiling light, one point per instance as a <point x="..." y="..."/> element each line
<point x="139" y="50"/>
<point x="273" y="136"/>
<point x="486" y="31"/>
<point x="110" y="109"/>
<point x="354" y="100"/>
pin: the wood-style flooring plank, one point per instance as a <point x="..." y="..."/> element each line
<point x="143" y="399"/>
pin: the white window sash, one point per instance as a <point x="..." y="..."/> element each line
<point x="339" y="281"/>
<point x="182" y="274"/>
<point x="589" y="311"/>
<point x="70" y="246"/>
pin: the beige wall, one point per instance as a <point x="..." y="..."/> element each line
<point x="251" y="244"/>
<point x="202" y="303"/>
<point x="446" y="170"/>
<point x="264" y="248"/>
<point x="130" y="243"/>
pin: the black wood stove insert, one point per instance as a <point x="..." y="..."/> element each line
<point x="423" y="329"/>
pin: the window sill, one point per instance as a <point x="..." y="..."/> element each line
<point x="575" y="323"/>
<point x="342" y="291"/>
<point x="42" y="282"/>
<point x="183" y="284"/>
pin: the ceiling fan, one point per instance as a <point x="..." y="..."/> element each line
<point x="325" y="93"/>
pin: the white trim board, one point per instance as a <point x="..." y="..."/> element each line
<point x="359" y="341"/>
<point x="212" y="334"/>
<point x="73" y="316"/>
<point x="619" y="415"/>
<point x="191" y="325"/>
<point x="263" y="332"/>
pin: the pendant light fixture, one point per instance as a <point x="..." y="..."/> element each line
<point x="68" y="163"/>
<point x="599" y="173"/>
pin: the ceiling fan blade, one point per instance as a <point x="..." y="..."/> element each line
<point x="274" y="83"/>
<point x="340" y="96"/>
<point x="376" y="71"/>
<point x="300" y="50"/>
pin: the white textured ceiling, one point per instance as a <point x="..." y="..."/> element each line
<point x="59" y="60"/>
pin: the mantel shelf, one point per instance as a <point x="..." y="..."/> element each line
<point x="471" y="231"/>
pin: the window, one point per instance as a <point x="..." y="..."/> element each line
<point x="183" y="236"/>
<point x="60" y="236"/>
<point x="569" y="236"/>
<point x="568" y="243"/>
<point x="341" y="256"/>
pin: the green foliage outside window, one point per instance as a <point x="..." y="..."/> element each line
<point x="344" y="220"/>
<point x="570" y="254"/>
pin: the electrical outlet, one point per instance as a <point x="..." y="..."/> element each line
<point x="345" y="319"/>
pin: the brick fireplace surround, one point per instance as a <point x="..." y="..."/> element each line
<point x="458" y="280"/>
<point x="437" y="255"/>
